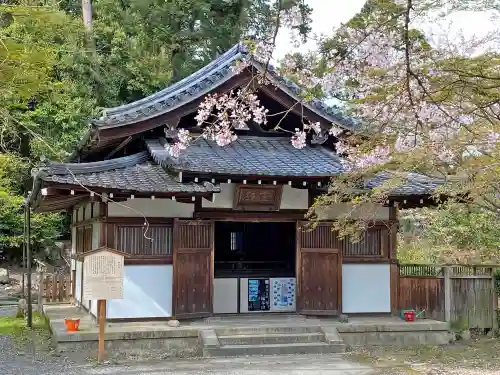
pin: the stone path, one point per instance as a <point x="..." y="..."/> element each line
<point x="279" y="365"/>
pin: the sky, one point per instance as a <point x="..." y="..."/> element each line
<point x="328" y="14"/>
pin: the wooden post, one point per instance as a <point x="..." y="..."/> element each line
<point x="494" y="296"/>
<point x="28" y="259"/>
<point x="102" y="323"/>
<point x="40" y="292"/>
<point x="394" y="288"/>
<point x="447" y="293"/>
<point x="54" y="287"/>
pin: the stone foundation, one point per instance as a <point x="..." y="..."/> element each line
<point x="397" y="333"/>
<point x="247" y="335"/>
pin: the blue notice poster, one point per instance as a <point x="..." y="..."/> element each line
<point x="258" y="295"/>
<point x="253" y="290"/>
<point x="283" y="294"/>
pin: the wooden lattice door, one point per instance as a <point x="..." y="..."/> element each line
<point x="319" y="271"/>
<point x="193" y="268"/>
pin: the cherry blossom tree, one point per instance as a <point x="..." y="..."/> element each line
<point x="425" y="102"/>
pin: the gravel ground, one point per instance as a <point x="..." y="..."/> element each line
<point x="14" y="361"/>
<point x="477" y="357"/>
<point x="21" y="359"/>
<point x="8" y="311"/>
<point x="473" y="357"/>
<point x="11" y="363"/>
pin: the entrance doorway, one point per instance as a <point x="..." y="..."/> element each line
<point x="254" y="267"/>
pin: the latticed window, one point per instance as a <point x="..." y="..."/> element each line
<point x="136" y="241"/>
<point x="236" y="240"/>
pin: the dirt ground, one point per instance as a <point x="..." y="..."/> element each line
<point x="480" y="356"/>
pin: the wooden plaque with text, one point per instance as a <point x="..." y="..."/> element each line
<point x="257" y="197"/>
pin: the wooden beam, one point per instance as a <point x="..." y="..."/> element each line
<point x="144" y="260"/>
<point x="121" y="193"/>
<point x="230" y="215"/>
<point x="61" y="203"/>
<point x="121" y="145"/>
<point x="288" y="102"/>
<point x="137" y="220"/>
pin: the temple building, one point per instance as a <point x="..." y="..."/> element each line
<point x="220" y="229"/>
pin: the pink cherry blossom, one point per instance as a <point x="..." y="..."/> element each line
<point x="299" y="139"/>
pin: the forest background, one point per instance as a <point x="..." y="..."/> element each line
<point x="53" y="81"/>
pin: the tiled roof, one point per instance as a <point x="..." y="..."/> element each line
<point x="202" y="82"/>
<point x="133" y="173"/>
<point x="407" y="184"/>
<point x="248" y="155"/>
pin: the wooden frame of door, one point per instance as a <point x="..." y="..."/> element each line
<point x="300" y="271"/>
<point x="191" y="299"/>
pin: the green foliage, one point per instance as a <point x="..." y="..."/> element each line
<point x="45" y="228"/>
<point x="454" y="233"/>
<point x="52" y="80"/>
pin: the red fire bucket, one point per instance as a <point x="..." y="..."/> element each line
<point x="72" y="325"/>
<point x="409" y="316"/>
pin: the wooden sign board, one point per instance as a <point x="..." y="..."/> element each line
<point x="103" y="275"/>
<point x="257" y="197"/>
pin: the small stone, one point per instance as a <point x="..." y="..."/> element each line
<point x="343" y="318"/>
<point x="173" y="323"/>
<point x="4" y="276"/>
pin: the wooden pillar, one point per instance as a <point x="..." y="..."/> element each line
<point x="102" y="323"/>
<point x="103" y="241"/>
<point x="494" y="297"/>
<point x="40" y="291"/>
<point x="447" y="293"/>
<point x="393" y="255"/>
<point x="394" y="285"/>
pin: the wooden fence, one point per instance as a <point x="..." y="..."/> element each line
<point x="463" y="294"/>
<point x="54" y="287"/>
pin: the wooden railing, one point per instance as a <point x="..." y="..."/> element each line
<point x="464" y="294"/>
<point x="54" y="287"/>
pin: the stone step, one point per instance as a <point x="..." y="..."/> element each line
<point x="272" y="338"/>
<point x="256" y="330"/>
<point x="273" y="349"/>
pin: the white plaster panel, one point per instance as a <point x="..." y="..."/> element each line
<point x="78" y="281"/>
<point x="147" y="293"/>
<point x="80" y="214"/>
<point x="96" y="209"/>
<point x="86" y="303"/>
<point x="225" y="296"/>
<point x="150" y="208"/>
<point x="366" y="288"/>
<point x="294" y="199"/>
<point x="365" y="211"/>
<point x="88" y="211"/>
<point x="96" y="231"/>
<point x="224" y="199"/>
<point x="73" y="240"/>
